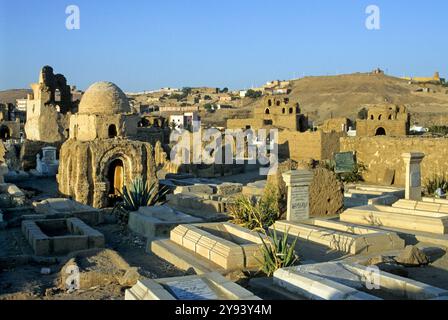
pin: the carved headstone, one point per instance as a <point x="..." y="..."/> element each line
<point x="298" y="183"/>
<point x="413" y="175"/>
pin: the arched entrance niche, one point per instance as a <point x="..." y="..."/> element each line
<point x="380" y="132"/>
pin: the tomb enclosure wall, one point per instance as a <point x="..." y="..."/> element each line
<point x="385" y="153"/>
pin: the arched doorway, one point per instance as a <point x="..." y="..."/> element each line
<point x="380" y="132"/>
<point x="5" y="133"/>
<point x="112" y="131"/>
<point x="115" y="178"/>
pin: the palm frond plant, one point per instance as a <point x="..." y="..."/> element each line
<point x="140" y="193"/>
<point x="277" y="252"/>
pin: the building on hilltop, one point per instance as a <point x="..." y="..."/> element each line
<point x="426" y="80"/>
<point x="384" y="120"/>
<point x="101" y="155"/>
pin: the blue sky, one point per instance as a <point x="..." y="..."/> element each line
<point x="147" y="44"/>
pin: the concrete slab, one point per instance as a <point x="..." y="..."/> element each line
<point x="409" y="219"/>
<point x="350" y="281"/>
<point x="356" y="195"/>
<point x="342" y="237"/>
<point x="158" y="221"/>
<point x="66" y="208"/>
<point x="228" y="246"/>
<point x="210" y="286"/>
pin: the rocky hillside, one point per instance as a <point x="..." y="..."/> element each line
<point x="10" y="96"/>
<point x="344" y="95"/>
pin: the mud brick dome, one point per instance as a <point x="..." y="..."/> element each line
<point x="104" y="98"/>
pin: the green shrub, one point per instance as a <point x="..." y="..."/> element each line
<point x="253" y="94"/>
<point x="140" y="193"/>
<point x="439" y="130"/>
<point x="277" y="253"/>
<point x="436" y="182"/>
<point x="255" y="215"/>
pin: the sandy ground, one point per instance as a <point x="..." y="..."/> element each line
<point x="25" y="281"/>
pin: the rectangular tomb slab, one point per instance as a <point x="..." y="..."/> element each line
<point x="342" y="237"/>
<point x="60" y="236"/>
<point x="400" y="218"/>
<point x="210" y="286"/>
<point x="425" y="205"/>
<point x="356" y="195"/>
<point x="67" y="208"/>
<point x="158" y="221"/>
<point x="224" y="245"/>
<point x="344" y="281"/>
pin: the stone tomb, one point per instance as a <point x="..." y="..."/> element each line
<point x="221" y="247"/>
<point x="398" y="218"/>
<point x="157" y="221"/>
<point x="60" y="236"/>
<point x="65" y="208"/>
<point x="356" y="195"/>
<point x="426" y="218"/>
<point x="428" y="204"/>
<point x="205" y="206"/>
<point x="342" y="237"/>
<point x="343" y="281"/>
<point x="211" y="286"/>
<point x="335" y="235"/>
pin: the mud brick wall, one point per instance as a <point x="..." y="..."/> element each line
<point x="382" y="153"/>
<point x="300" y="146"/>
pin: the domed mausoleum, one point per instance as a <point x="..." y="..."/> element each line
<point x="101" y="154"/>
<point x="103" y="113"/>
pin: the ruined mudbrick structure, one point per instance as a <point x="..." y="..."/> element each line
<point x="384" y="120"/>
<point x="274" y="111"/>
<point x="48" y="108"/>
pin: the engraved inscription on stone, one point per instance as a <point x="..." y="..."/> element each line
<point x="191" y="289"/>
<point x="299" y="203"/>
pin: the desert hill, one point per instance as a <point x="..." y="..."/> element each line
<point x="344" y="95"/>
<point x="10" y="96"/>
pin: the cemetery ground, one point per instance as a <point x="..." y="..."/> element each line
<point x="22" y="276"/>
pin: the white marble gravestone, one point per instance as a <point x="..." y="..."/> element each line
<point x="48" y="165"/>
<point x="298" y="183"/>
<point x="413" y="175"/>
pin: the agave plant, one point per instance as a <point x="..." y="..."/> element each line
<point x="277" y="253"/>
<point x="140" y="193"/>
